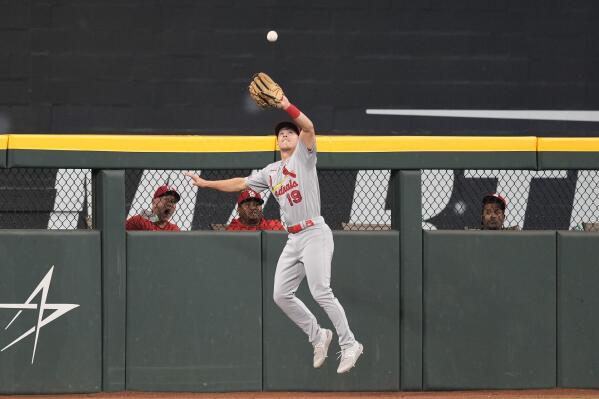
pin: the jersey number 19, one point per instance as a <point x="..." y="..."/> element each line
<point x="294" y="197"/>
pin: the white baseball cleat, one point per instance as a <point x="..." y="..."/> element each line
<point x="322" y="347"/>
<point x="349" y="357"/>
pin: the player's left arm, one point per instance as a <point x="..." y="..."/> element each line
<point x="307" y="132"/>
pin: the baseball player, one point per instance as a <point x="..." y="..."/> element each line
<point x="294" y="183"/>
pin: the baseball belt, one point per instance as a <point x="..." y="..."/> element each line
<point x="304" y="224"/>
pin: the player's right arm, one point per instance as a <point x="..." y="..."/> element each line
<point x="227" y="185"/>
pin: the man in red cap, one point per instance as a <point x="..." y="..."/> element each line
<point x="249" y="206"/>
<point x="164" y="204"/>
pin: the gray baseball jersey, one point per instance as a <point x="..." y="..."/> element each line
<point x="294" y="183"/>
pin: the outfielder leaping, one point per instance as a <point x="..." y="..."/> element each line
<point x="309" y="249"/>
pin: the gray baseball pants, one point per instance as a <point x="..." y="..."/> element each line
<point x="308" y="254"/>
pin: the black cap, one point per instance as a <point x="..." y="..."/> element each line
<point x="288" y="125"/>
<point x="495" y="199"/>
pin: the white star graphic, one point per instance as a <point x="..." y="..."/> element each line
<point x="59" y="310"/>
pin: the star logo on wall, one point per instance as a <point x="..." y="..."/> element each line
<point x="59" y="309"/>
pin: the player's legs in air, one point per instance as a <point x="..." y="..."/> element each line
<point x="317" y="254"/>
<point x="288" y="276"/>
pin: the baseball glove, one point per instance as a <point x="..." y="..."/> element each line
<point x="265" y="92"/>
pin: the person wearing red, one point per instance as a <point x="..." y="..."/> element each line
<point x="164" y="204"/>
<point x="249" y="206"/>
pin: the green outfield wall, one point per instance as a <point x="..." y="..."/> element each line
<point x="578" y="301"/>
<point x="57" y="344"/>
<point x="365" y="279"/>
<point x="489" y="310"/>
<point x="106" y="310"/>
<point x="335" y="152"/>
<point x="194" y="311"/>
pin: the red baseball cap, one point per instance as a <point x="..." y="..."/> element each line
<point x="495" y="197"/>
<point x="166" y="190"/>
<point x="249" y="194"/>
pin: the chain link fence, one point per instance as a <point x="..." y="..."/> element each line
<point x="350" y="199"/>
<point x="536" y="200"/>
<point x="33" y="198"/>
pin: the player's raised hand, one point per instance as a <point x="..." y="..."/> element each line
<point x="196" y="180"/>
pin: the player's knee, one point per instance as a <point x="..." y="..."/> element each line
<point x="280" y="297"/>
<point x="322" y="294"/>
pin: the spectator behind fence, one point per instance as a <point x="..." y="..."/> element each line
<point x="493" y="212"/>
<point x="164" y="204"/>
<point x="249" y="206"/>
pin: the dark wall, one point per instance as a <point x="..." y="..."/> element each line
<point x="577" y="278"/>
<point x="209" y="296"/>
<point x="183" y="66"/>
<point x="489" y="321"/>
<point x="55" y="347"/>
<point x="501" y="310"/>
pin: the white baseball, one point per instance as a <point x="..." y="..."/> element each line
<point x="272" y="36"/>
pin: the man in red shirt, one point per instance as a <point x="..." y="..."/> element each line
<point x="249" y="206"/>
<point x="164" y="204"/>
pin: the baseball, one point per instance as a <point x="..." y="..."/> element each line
<point x="272" y="36"/>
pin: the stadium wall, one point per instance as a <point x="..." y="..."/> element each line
<point x="192" y="311"/>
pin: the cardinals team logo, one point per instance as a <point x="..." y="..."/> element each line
<point x="287" y="172"/>
<point x="276" y="188"/>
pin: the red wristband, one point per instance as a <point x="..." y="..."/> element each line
<point x="292" y="111"/>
